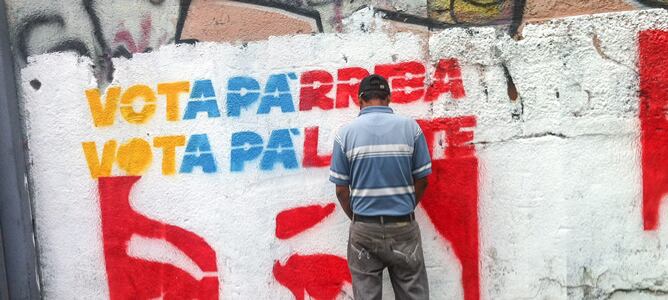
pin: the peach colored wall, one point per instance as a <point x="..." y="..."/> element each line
<point x="231" y="21"/>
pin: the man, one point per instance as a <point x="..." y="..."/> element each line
<point x="380" y="164"/>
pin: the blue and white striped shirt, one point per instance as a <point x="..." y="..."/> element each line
<point x="378" y="155"/>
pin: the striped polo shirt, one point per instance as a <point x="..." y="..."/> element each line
<point x="378" y="155"/>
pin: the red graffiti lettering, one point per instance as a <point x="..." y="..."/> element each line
<point x="129" y="235"/>
<point x="294" y="221"/>
<point x="447" y="79"/>
<point x="124" y="36"/>
<point x="315" y="85"/>
<point x="321" y="275"/>
<point x="348" y="85"/>
<point x="451" y="201"/>
<point x="653" y="66"/>
<point x="311" y="156"/>
<point x="406" y="80"/>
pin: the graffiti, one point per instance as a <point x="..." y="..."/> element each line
<point x="321" y="276"/>
<point x="232" y="143"/>
<point x="451" y="201"/>
<point x="487" y="12"/>
<point x="312" y="159"/>
<point x="653" y="52"/>
<point x="294" y="221"/>
<point x="230" y="21"/>
<point x="318" y="90"/>
<point x="33" y="22"/>
<point x="135" y="155"/>
<point x="248" y="146"/>
<point x="147" y="259"/>
<point x="654" y="3"/>
<point x="99" y="30"/>
<point x="234" y="20"/>
<point x="106" y="30"/>
<point x="127" y="41"/>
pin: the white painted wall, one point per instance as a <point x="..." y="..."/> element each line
<point x="559" y="187"/>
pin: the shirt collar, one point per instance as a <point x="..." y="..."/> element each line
<point x="376" y="109"/>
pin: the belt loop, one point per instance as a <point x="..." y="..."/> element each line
<point x="382" y="220"/>
<point x="353" y="218"/>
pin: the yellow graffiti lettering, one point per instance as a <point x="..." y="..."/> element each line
<point x="103" y="115"/>
<point x="172" y="90"/>
<point x="134" y="93"/>
<point x="97" y="167"/>
<point x="134" y="156"/>
<point x="168" y="145"/>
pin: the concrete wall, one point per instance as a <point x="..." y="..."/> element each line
<point x="200" y="171"/>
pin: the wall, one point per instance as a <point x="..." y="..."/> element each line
<point x="103" y="30"/>
<point x="200" y="171"/>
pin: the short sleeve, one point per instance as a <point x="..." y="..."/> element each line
<point x="339" y="171"/>
<point x="421" y="158"/>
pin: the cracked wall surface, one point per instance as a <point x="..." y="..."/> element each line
<point x="200" y="171"/>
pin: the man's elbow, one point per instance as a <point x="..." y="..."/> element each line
<point x="422" y="182"/>
<point x="342" y="190"/>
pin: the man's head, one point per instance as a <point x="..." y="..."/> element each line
<point x="374" y="91"/>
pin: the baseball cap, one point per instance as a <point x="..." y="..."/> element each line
<point x="374" y="82"/>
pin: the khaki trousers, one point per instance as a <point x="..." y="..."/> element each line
<point x="396" y="246"/>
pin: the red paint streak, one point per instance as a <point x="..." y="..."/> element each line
<point x="451" y="201"/>
<point x="315" y="85"/>
<point x="311" y="157"/>
<point x="145" y="33"/>
<point x="406" y="80"/>
<point x="447" y="79"/>
<point x="338" y="15"/>
<point x="132" y="278"/>
<point x="654" y="126"/>
<point x="321" y="275"/>
<point x="294" y="221"/>
<point x="124" y="36"/>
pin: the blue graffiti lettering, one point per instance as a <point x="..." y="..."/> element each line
<point x="198" y="153"/>
<point x="279" y="150"/>
<point x="202" y="99"/>
<point x="276" y="94"/>
<point x="241" y="93"/>
<point x="246" y="146"/>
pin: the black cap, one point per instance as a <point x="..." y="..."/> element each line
<point x="374" y="82"/>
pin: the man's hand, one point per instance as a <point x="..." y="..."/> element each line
<point x="420" y="187"/>
<point x="343" y="194"/>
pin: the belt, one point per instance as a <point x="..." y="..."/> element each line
<point x="383" y="219"/>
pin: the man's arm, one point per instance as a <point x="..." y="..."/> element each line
<point x="339" y="174"/>
<point x="420" y="186"/>
<point x="343" y="194"/>
<point x="421" y="164"/>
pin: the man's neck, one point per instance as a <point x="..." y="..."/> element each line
<point x="374" y="102"/>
